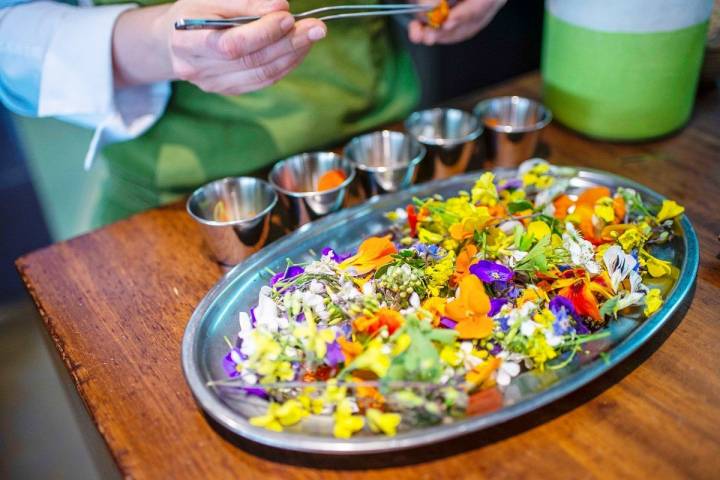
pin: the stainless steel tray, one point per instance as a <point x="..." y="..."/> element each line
<point x="216" y="316"/>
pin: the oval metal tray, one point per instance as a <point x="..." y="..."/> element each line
<point x="216" y="317"/>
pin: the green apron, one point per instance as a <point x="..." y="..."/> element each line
<point x="353" y="80"/>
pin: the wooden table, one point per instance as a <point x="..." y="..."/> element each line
<point x="115" y="303"/>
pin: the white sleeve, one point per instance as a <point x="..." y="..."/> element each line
<point x="62" y="67"/>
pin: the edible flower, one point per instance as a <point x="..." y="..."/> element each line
<point x="280" y="415"/>
<point x="489" y="272"/>
<point x="470" y="309"/>
<point x="345" y="422"/>
<point x="484" y="191"/>
<point x="290" y="272"/>
<point x="653" y="301"/>
<point x="383" y="318"/>
<point x="374" y="252"/>
<point x="386" y="423"/>
<point x="669" y="209"/>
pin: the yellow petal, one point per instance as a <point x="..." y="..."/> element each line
<point x="538" y="229"/>
<point x="669" y="209"/>
<point x="383" y="422"/>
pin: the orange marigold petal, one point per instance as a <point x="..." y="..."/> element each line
<point x="591" y="195"/>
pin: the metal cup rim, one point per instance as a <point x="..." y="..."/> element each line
<point x="216" y="223"/>
<point x="480" y="107"/>
<point x="445" y="142"/>
<point x="291" y="193"/>
<point x="383" y="169"/>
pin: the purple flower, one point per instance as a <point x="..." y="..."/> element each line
<point x="562" y="307"/>
<point x="495" y="305"/>
<point x="336" y="257"/>
<point x="559" y="305"/>
<point x="503" y="322"/>
<point x="447" y="322"/>
<point x="510" y="184"/>
<point x="489" y="272"/>
<point x="290" y="272"/>
<point x="257" y="391"/>
<point x="231" y="361"/>
<point x="334" y="354"/>
<point x="496" y="349"/>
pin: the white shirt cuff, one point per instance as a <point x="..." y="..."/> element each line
<point x="77" y="81"/>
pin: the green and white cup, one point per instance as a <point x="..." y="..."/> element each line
<point x="623" y="69"/>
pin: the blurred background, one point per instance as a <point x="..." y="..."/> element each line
<point x="39" y="435"/>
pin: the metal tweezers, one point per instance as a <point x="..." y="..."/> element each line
<point x="327" y="13"/>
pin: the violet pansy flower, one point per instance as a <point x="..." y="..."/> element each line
<point x="336" y="257"/>
<point x="334" y="354"/>
<point x="231" y="361"/>
<point x="489" y="272"/>
<point x="495" y="305"/>
<point x="290" y="272"/>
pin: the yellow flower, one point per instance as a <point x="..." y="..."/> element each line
<point x="630" y="239"/>
<point x="484" y="191"/>
<point x="531" y="294"/>
<point x="655" y="267"/>
<point x="428" y="237"/>
<point x="604" y="209"/>
<point x="439" y="274"/>
<point x="669" y="209"/>
<point x="401" y="344"/>
<point x="345" y="422"/>
<point x="653" y="301"/>
<point x="315" y="340"/>
<point x="480" y="374"/>
<point x="373" y="359"/>
<point x="281" y="415"/>
<point x="544" y="181"/>
<point x="268" y="421"/>
<point x="450" y="355"/>
<point x="386" y="423"/>
<point x="538" y="229"/>
<point x="333" y="393"/>
<point x="540" y="351"/>
<point x="544" y="317"/>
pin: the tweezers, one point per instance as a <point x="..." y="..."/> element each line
<point x="326" y="13"/>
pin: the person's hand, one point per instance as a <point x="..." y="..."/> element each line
<point x="232" y="61"/>
<point x="465" y="20"/>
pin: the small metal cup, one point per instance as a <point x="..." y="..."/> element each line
<point x="296" y="179"/>
<point x="247" y="202"/>
<point x="450" y="137"/>
<point x="386" y="161"/>
<point x="513" y="126"/>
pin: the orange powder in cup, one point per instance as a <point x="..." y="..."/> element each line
<point x="331" y="179"/>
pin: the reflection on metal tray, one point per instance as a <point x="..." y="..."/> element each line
<point x="216" y="317"/>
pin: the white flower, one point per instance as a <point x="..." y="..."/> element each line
<point x="368" y="288"/>
<point x="266" y="314"/>
<point x="415" y="300"/>
<point x="509" y="368"/>
<point x="580" y="250"/>
<point x="618" y="264"/>
<point x="323" y="266"/>
<point x="528" y="327"/>
<point x="508" y="228"/>
<point x="316" y="287"/>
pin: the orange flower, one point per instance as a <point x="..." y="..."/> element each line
<point x="373" y="253"/>
<point x="480" y="375"/>
<point x="350" y="349"/>
<point x="464" y="259"/>
<point x="577" y="286"/>
<point x="591" y="195"/>
<point x="619" y="208"/>
<point x="436" y="307"/>
<point x="382" y="318"/>
<point x="470" y="309"/>
<point x="562" y="205"/>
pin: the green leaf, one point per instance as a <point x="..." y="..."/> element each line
<point x="609" y="308"/>
<point x="519" y="206"/>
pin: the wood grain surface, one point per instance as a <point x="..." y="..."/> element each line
<point x="115" y="303"/>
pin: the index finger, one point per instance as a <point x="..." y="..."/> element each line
<point x="243" y="40"/>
